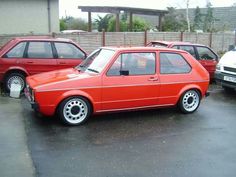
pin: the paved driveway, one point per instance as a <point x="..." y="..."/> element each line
<point x="151" y="143"/>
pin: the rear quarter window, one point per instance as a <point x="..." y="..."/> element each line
<point x="17" y="51"/>
<point x="173" y="63"/>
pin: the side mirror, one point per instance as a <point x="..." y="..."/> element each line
<point x="124" y="72"/>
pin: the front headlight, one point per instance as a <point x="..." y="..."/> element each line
<point x="218" y="67"/>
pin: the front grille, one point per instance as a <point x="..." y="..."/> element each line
<point x="230" y="69"/>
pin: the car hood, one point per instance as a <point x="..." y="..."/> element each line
<point x="57" y="76"/>
<point x="229" y="58"/>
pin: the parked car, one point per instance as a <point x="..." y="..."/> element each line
<point x="118" y="79"/>
<point x="22" y="57"/>
<point x="225" y="74"/>
<point x="205" y="55"/>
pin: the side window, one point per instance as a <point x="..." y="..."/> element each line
<point x="67" y="50"/>
<point x="173" y="63"/>
<point x="17" y="51"/>
<point x="205" y="53"/>
<point x="134" y="64"/>
<point x="40" y="50"/>
<point x="188" y="49"/>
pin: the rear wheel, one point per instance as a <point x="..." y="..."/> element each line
<point x="189" y="101"/>
<point x="74" y="110"/>
<point x="14" y="78"/>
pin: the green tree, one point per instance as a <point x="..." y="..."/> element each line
<point x="71" y="23"/>
<point x="112" y="25"/>
<point x="209" y="19"/>
<point x="102" y="22"/>
<point x="197" y="19"/>
<point x="174" y="21"/>
<point x="138" y="24"/>
<point x="62" y="25"/>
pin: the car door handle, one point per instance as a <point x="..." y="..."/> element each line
<point x="29" y="62"/>
<point x="153" y="79"/>
<point x="62" y="63"/>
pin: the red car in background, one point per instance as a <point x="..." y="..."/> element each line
<point x="205" y="55"/>
<point x="118" y="79"/>
<point x="21" y="57"/>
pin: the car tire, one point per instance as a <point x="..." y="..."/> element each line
<point x="228" y="89"/>
<point x="74" y="110"/>
<point x="17" y="78"/>
<point x="189" y="101"/>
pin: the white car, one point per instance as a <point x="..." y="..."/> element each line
<point x="225" y="73"/>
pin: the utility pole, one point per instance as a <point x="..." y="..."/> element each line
<point x="187" y="16"/>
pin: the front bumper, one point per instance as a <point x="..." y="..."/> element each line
<point x="34" y="105"/>
<point x="219" y="78"/>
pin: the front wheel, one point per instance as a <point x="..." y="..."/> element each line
<point x="74" y="110"/>
<point x="14" y="78"/>
<point x="189" y="101"/>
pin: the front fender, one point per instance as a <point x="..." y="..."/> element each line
<point x="71" y="93"/>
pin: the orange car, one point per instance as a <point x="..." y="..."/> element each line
<point x="118" y="79"/>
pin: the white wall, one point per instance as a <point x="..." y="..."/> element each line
<point x="26" y="16"/>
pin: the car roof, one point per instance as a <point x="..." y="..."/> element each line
<point x="42" y="38"/>
<point x="176" y="43"/>
<point x="138" y="49"/>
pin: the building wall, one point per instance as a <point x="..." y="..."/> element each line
<point x="28" y="16"/>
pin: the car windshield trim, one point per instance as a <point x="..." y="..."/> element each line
<point x="93" y="70"/>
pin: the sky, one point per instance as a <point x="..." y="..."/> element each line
<point x="70" y="7"/>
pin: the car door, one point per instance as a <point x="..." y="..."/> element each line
<point x="207" y="58"/>
<point x="39" y="57"/>
<point x="12" y="58"/>
<point x="131" y="82"/>
<point x="175" y="73"/>
<point x="68" y="55"/>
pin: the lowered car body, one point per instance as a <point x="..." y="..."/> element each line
<point x="118" y="79"/>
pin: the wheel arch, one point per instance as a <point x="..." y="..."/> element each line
<point x="15" y="70"/>
<point x="190" y="87"/>
<point x="74" y="93"/>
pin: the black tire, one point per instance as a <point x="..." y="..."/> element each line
<point x="228" y="89"/>
<point x="189" y="101"/>
<point x="16" y="78"/>
<point x="74" y="110"/>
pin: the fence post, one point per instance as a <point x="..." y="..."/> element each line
<point x="210" y="40"/>
<point x="145" y="37"/>
<point x="181" y="36"/>
<point x="103" y="38"/>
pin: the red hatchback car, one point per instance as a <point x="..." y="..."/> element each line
<point x="205" y="55"/>
<point x="118" y="79"/>
<point x="21" y="57"/>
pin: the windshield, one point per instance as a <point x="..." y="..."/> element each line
<point x="96" y="61"/>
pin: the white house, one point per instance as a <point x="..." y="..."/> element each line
<point x="29" y="16"/>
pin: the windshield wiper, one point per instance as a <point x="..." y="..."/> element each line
<point x="93" y="70"/>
